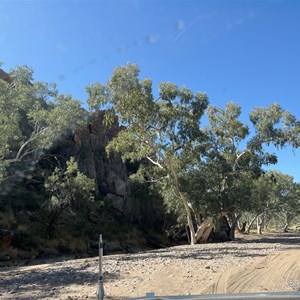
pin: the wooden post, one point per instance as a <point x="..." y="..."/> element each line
<point x="100" y="290"/>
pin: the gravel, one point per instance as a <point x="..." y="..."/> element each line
<point x="77" y="279"/>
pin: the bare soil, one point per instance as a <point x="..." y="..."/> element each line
<point x="266" y="263"/>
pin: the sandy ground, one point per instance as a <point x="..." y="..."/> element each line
<point x="265" y="263"/>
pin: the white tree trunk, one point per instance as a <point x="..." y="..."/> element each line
<point x="250" y="224"/>
<point x="258" y="228"/>
<point x="233" y="227"/>
<point x="185" y="203"/>
<point x="204" y="230"/>
<point x="189" y="219"/>
<point x="259" y="223"/>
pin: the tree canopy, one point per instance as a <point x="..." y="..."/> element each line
<point x="166" y="130"/>
<point x="32" y="117"/>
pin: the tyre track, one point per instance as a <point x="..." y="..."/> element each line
<point x="275" y="272"/>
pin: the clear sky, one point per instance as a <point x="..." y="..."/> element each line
<point x="243" y="51"/>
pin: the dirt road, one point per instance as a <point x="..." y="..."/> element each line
<point x="250" y="264"/>
<point x="277" y="272"/>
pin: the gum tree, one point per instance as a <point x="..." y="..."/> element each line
<point x="222" y="184"/>
<point x="164" y="130"/>
<point x="287" y="195"/>
<point x="32" y="117"/>
<point x="229" y="168"/>
<point x="277" y="196"/>
<point x="68" y="189"/>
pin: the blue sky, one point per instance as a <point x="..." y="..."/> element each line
<point x="243" y="51"/>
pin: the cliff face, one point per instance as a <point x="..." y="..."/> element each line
<point x="4" y="76"/>
<point x="87" y="145"/>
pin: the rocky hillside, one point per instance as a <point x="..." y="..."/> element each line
<point x="128" y="216"/>
<point x="4" y="76"/>
<point x="87" y="145"/>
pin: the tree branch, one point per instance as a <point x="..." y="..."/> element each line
<point x="22" y="152"/>
<point x="155" y="162"/>
<point x="238" y="158"/>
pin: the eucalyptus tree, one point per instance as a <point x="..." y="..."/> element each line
<point x="275" y="196"/>
<point x="165" y="130"/>
<point x="287" y="196"/>
<point x="68" y="188"/>
<point x="236" y="162"/>
<point x="239" y="156"/>
<point x="263" y="202"/>
<point x="32" y="117"/>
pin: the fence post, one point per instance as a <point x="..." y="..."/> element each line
<point x="100" y="290"/>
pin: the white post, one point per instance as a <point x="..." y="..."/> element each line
<point x="100" y="290"/>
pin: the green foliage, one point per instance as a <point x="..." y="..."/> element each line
<point x="229" y="168"/>
<point x="286" y="193"/>
<point x="67" y="188"/>
<point x="275" y="197"/>
<point x="275" y="125"/>
<point x="70" y="185"/>
<point x="162" y="130"/>
<point x="155" y="127"/>
<point x="226" y="127"/>
<point x="32" y="117"/>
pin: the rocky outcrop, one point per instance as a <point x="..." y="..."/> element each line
<point x="4" y="76"/>
<point x="87" y="145"/>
